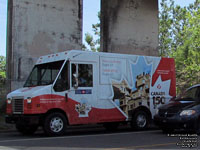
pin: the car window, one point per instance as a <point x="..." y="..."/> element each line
<point x="198" y="93"/>
<point x="190" y="95"/>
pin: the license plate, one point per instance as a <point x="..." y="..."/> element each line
<point x="164" y="121"/>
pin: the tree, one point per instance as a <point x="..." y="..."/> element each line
<point x="179" y="37"/>
<point x="94" y="44"/>
<point x="165" y="24"/>
<point x="2" y="84"/>
<point x="187" y="55"/>
<point x="172" y="21"/>
<point x="2" y="70"/>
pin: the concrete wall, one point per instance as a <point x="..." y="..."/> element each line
<point x="129" y="26"/>
<point x="39" y="27"/>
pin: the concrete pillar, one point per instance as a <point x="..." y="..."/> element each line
<point x="39" y="27"/>
<point x="129" y="26"/>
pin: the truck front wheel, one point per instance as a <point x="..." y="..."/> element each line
<point x="26" y="129"/>
<point x="55" y="124"/>
<point x="140" y="120"/>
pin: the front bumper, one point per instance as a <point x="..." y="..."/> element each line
<point x="176" y="122"/>
<point x="23" y="119"/>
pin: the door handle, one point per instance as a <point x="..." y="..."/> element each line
<point x="66" y="97"/>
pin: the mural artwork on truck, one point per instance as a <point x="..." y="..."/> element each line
<point x="130" y="98"/>
<point x="148" y="86"/>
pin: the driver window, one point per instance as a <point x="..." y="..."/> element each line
<point x="85" y="77"/>
<point x="84" y="74"/>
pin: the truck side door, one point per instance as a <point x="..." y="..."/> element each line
<point x="82" y="93"/>
<point x="60" y="89"/>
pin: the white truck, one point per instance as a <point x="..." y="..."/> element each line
<point x="81" y="87"/>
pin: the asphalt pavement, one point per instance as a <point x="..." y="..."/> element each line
<point x="97" y="138"/>
<point x="5" y="127"/>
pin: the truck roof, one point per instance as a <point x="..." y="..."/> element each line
<point x="52" y="57"/>
<point x="66" y="54"/>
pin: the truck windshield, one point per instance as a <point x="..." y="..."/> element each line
<point x="43" y="74"/>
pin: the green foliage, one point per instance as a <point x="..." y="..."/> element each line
<point x="94" y="44"/>
<point x="2" y="69"/>
<point x="2" y="83"/>
<point x="179" y="37"/>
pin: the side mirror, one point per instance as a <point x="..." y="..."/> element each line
<point x="75" y="86"/>
<point x="74" y="75"/>
<point x="76" y="81"/>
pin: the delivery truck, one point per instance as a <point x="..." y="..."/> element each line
<point x="81" y="87"/>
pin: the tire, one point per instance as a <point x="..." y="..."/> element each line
<point x="55" y="124"/>
<point x="26" y="129"/>
<point x="140" y="120"/>
<point x="111" y="126"/>
<point x="197" y="127"/>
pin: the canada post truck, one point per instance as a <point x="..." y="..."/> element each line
<point x="81" y="87"/>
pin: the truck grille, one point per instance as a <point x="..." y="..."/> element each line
<point x="18" y="106"/>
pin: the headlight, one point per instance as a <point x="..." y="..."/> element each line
<point x="187" y="112"/>
<point x="29" y="100"/>
<point x="9" y="101"/>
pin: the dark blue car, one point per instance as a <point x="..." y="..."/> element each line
<point x="181" y="113"/>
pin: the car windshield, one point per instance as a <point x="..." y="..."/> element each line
<point x="43" y="74"/>
<point x="193" y="94"/>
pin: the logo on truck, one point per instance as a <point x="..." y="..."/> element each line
<point x="83" y="108"/>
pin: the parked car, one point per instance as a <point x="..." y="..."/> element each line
<point x="182" y="112"/>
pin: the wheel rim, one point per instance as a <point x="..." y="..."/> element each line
<point x="141" y="121"/>
<point x="56" y="124"/>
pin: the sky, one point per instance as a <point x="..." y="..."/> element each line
<point x="90" y="10"/>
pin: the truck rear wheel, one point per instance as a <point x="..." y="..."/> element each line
<point x="55" y="124"/>
<point x="26" y="129"/>
<point x="140" y="120"/>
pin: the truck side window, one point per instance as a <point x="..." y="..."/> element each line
<point x="62" y="81"/>
<point x="73" y="75"/>
<point x="85" y="75"/>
